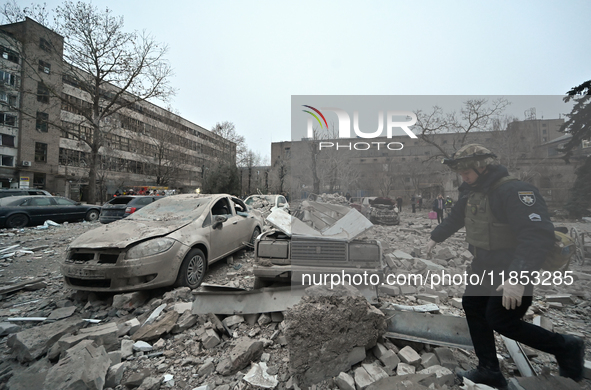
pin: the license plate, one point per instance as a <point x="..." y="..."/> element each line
<point x="85" y="273"/>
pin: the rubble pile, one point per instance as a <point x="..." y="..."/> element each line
<point x="261" y="204"/>
<point x="62" y="339"/>
<point x="329" y="331"/>
<point x="333" y="199"/>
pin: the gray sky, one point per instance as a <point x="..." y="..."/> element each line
<point x="241" y="61"/>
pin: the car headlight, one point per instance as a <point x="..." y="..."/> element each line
<point x="150" y="247"/>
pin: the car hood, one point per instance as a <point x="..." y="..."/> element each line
<point x="125" y="232"/>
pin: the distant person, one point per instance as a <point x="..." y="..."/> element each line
<point x="399" y="203"/>
<point x="420" y="202"/>
<point x="413" y="202"/>
<point x="438" y="207"/>
<point x="348" y="196"/>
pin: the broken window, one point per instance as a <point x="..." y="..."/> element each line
<point x="42" y="93"/>
<point x="7" y="140"/>
<point x="7" y="120"/>
<point x="8" y="54"/>
<point x="44" y="44"/>
<point x="221" y="207"/>
<point x="40" y="152"/>
<point x="44" y="67"/>
<point x="42" y="122"/>
<point x="8" y="78"/>
<point x="7" y="161"/>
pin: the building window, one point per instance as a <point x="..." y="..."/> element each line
<point x="7" y="140"/>
<point x="7" y="120"/>
<point x="42" y="122"/>
<point x="8" y="78"/>
<point x="544" y="131"/>
<point x="44" y="67"/>
<point x="39" y="180"/>
<point x="44" y="44"/>
<point x="8" y="54"/>
<point x="444" y="141"/>
<point x="40" y="152"/>
<point x="7" y="161"/>
<point x="42" y="93"/>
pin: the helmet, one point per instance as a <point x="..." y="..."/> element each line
<point x="469" y="157"/>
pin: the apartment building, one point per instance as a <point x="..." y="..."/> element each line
<point x="44" y="134"/>
<point x="413" y="166"/>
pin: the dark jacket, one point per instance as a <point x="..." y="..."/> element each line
<point x="529" y="222"/>
<point x="436" y="204"/>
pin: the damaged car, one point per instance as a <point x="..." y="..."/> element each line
<point x="383" y="211"/>
<point x="319" y="238"/>
<point x="169" y="242"/>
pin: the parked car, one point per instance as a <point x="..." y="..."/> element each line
<point x="21" y="211"/>
<point x="123" y="206"/>
<point x="270" y="201"/>
<point x="363" y="205"/>
<point x="169" y="242"/>
<point x="22" y="192"/>
<point x="383" y="211"/>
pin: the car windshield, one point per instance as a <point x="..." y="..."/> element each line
<point x="174" y="208"/>
<point x="254" y="198"/>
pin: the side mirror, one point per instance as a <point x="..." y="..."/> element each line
<point x="218" y="221"/>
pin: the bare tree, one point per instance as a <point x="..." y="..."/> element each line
<point x="112" y="68"/>
<point x="475" y="115"/>
<point x="228" y="131"/>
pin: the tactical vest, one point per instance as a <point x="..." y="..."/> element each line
<point x="483" y="230"/>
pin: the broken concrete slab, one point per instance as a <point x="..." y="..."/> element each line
<point x="126" y="348"/>
<point x="245" y="351"/>
<point x="325" y="327"/>
<point x="258" y="376"/>
<point x="402" y="255"/>
<point x="8" y="328"/>
<point x="142" y="346"/>
<point x="233" y="320"/>
<point x="438" y="375"/>
<point x="185" y="321"/>
<point x="155" y="330"/>
<point x="375" y="371"/>
<point x="345" y="381"/>
<point x="362" y="378"/>
<point x="210" y="339"/>
<point x="446" y="357"/>
<point x="409" y="356"/>
<point x="565" y="299"/>
<point x="429" y="359"/>
<point x="31" y="378"/>
<point x="32" y="343"/>
<point x="429" y="298"/>
<point x="61" y="313"/>
<point x="128" y="327"/>
<point x="84" y="366"/>
<point x="114" y="375"/>
<point x="131" y="300"/>
<point x="405" y="369"/>
<point x="105" y="334"/>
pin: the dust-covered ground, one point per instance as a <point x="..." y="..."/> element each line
<point x="189" y="358"/>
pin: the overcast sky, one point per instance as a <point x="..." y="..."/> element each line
<point x="241" y="61"/>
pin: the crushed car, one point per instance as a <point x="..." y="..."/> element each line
<point x="266" y="204"/>
<point x="169" y="242"/>
<point x="383" y="211"/>
<point x="319" y="238"/>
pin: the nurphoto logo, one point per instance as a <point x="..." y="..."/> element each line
<point x="345" y="128"/>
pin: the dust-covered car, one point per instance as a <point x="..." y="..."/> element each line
<point x="169" y="242"/>
<point x="267" y="203"/>
<point x="383" y="211"/>
<point x="318" y="239"/>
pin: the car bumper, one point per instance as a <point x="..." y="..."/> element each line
<point x="118" y="275"/>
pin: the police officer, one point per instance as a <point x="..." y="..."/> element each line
<point x="508" y="229"/>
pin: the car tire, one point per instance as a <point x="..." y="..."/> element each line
<point x="92" y="215"/>
<point x="254" y="236"/>
<point x="192" y="269"/>
<point x="17" y="221"/>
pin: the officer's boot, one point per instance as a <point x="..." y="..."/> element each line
<point x="492" y="378"/>
<point x="572" y="360"/>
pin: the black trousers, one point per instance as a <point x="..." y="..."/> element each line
<point x="486" y="314"/>
<point x="439" y="215"/>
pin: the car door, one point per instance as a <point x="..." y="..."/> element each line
<point x="243" y="220"/>
<point x="68" y="210"/>
<point x="39" y="209"/>
<point x="224" y="237"/>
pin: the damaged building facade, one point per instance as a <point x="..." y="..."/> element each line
<point x="43" y="135"/>
<point x="528" y="148"/>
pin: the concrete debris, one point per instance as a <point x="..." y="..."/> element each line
<point x="188" y="356"/>
<point x="324" y="328"/>
<point x="83" y="367"/>
<point x="245" y="351"/>
<point x="258" y="376"/>
<point x="409" y="356"/>
<point x="155" y="330"/>
<point x="32" y="343"/>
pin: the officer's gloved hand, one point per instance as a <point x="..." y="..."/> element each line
<point x="430" y="246"/>
<point x="512" y="294"/>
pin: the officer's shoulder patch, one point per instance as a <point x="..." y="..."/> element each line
<point x="535" y="217"/>
<point x="527" y="197"/>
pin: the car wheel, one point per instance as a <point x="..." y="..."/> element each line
<point x="92" y="215"/>
<point x="192" y="269"/>
<point x="255" y="234"/>
<point x="17" y="221"/>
